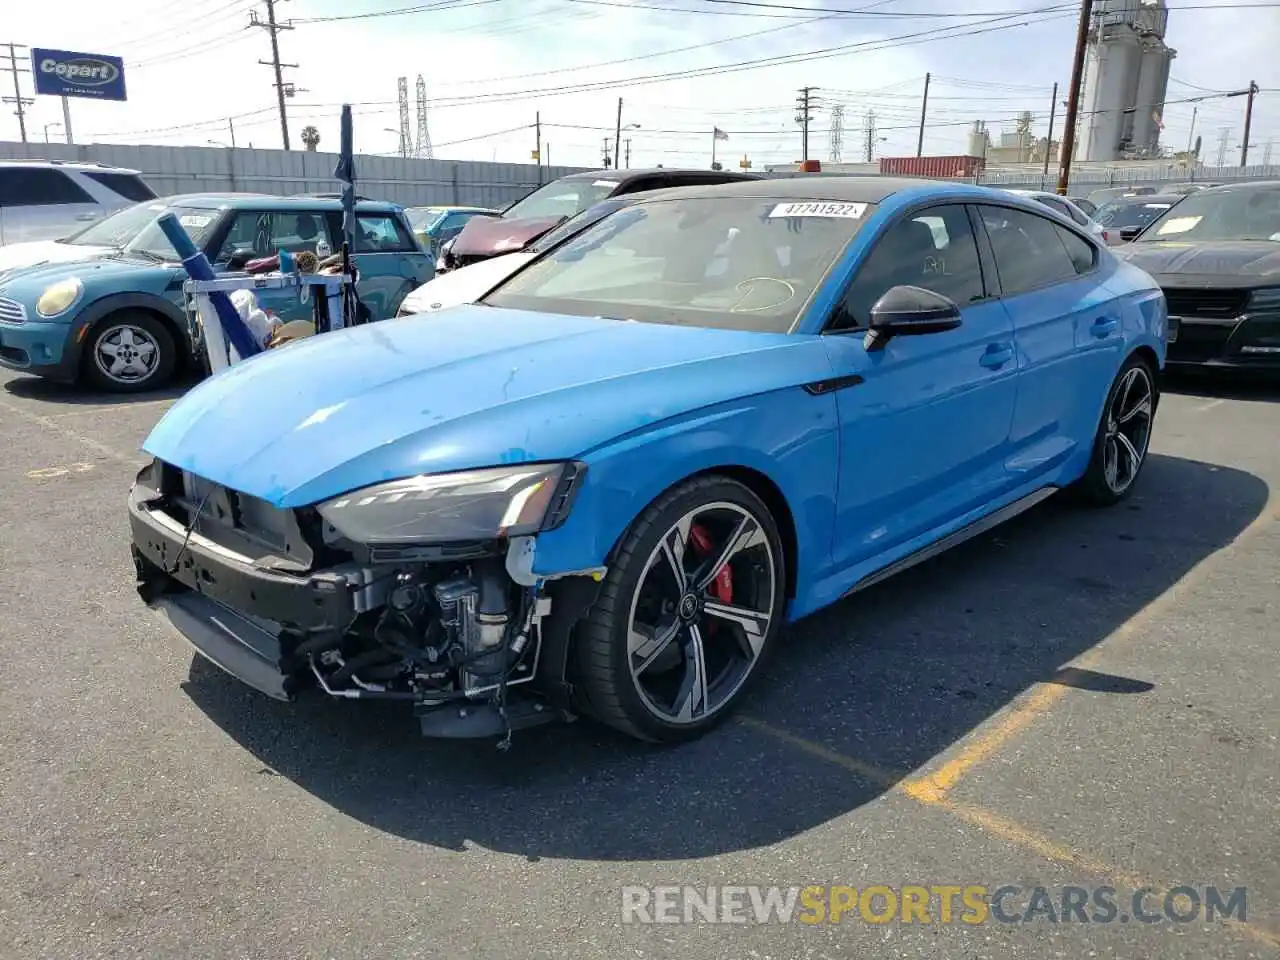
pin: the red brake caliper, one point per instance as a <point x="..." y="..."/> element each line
<point x="722" y="586"/>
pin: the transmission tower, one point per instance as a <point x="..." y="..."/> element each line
<point x="1266" y="153"/>
<point x="423" y="148"/>
<point x="402" y="85"/>
<point x="837" y="131"/>
<point x="869" y="132"/>
<point x="1223" y="136"/>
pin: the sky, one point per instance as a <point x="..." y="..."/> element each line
<point x="493" y="68"/>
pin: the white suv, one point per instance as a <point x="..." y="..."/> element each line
<point x="49" y="199"/>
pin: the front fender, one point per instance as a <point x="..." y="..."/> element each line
<point x="789" y="436"/>
<point x="92" y="312"/>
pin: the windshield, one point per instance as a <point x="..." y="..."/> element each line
<point x="117" y="229"/>
<point x="1239" y="213"/>
<point x="737" y="263"/>
<point x="1121" y="214"/>
<point x="151" y="241"/>
<point x="576" y="224"/>
<point x="560" y="199"/>
<point x="424" y="218"/>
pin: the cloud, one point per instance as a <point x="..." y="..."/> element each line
<point x="190" y="66"/>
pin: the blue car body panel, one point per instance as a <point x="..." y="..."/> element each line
<point x="934" y="433"/>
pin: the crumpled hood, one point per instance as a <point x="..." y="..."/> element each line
<point x="471" y="386"/>
<point x="1226" y="261"/>
<point x="465" y="284"/>
<point x="490" y="236"/>
<point x="19" y="256"/>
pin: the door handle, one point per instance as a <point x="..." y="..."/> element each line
<point x="997" y="355"/>
<point x="1104" y="327"/>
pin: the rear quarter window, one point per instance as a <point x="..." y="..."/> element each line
<point x="128" y="185"/>
<point x="39" y="187"/>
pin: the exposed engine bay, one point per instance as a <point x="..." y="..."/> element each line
<point x="277" y="598"/>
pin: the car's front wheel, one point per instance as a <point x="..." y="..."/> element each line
<point x="1123" y="436"/>
<point x="692" y="603"/>
<point x="130" y="352"/>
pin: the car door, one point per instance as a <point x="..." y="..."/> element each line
<point x="924" y="420"/>
<point x="1067" y="327"/>
<point x="42" y="203"/>
<point x="258" y="233"/>
<point x="390" y="261"/>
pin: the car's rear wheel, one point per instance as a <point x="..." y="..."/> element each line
<point x="130" y="352"/>
<point x="1124" y="435"/>
<point x="692" y="604"/>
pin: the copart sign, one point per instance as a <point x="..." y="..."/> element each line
<point x="64" y="73"/>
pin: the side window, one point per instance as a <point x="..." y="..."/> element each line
<point x="381" y="233"/>
<point x="1077" y="215"/>
<point x="934" y="249"/>
<point x="1081" y="251"/>
<point x="39" y="187"/>
<point x="1028" y="250"/>
<point x="128" y="185"/>
<point x="262" y="234"/>
<point x="1057" y="205"/>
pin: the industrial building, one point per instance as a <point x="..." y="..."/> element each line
<point x="1125" y="81"/>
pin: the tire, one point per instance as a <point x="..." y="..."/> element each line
<point x="1124" y="431"/>
<point x="150" y="346"/>
<point x="727" y="625"/>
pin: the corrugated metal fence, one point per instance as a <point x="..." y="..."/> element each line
<point x="410" y="182"/>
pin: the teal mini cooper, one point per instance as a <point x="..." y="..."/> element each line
<point x="120" y="322"/>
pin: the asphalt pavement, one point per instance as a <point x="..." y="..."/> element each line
<point x="1082" y="698"/>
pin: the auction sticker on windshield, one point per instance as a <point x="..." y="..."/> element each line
<point x="850" y="211"/>
<point x="194" y="220"/>
<point x="1178" y="225"/>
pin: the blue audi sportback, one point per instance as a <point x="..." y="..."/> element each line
<point x="607" y="486"/>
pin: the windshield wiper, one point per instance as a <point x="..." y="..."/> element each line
<point x="146" y="255"/>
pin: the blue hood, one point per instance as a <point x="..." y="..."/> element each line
<point x="472" y="386"/>
<point x="117" y="274"/>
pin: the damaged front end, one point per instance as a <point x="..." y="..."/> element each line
<point x="419" y="590"/>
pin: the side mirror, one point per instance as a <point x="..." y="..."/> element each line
<point x="1129" y="234"/>
<point x="907" y="311"/>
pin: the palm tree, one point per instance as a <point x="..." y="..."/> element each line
<point x="311" y="137"/>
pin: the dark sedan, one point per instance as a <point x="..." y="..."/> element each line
<point x="1217" y="257"/>
<point x="1127" y="217"/>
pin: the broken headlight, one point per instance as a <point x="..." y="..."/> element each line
<point x="451" y="507"/>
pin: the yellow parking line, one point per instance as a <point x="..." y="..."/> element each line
<point x="985" y="743"/>
<point x="988" y="821"/>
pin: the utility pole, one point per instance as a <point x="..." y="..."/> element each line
<point x="607" y="153"/>
<point x="869" y="128"/>
<point x="1073" y="97"/>
<point x="273" y="29"/>
<point x="626" y="154"/>
<point x="1048" y="143"/>
<point x="537" y="143"/>
<point x="805" y="104"/>
<point x="17" y="99"/>
<point x="231" y="128"/>
<point x="1224" y="135"/>
<point x="924" y="107"/>
<point x="1192" y="132"/>
<point x="1248" y="122"/>
<point x="617" y="135"/>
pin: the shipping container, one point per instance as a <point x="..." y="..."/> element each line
<point x="933" y="167"/>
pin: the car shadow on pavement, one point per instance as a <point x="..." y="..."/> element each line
<point x="1245" y="385"/>
<point x="890" y="677"/>
<point x="51" y="391"/>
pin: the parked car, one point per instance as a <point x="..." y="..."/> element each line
<point x="1217" y="257"/>
<point x="108" y="235"/>
<point x="47" y="199"/>
<point x="434" y="226"/>
<point x="468" y="284"/>
<point x="1181" y="189"/>
<point x="1099" y="197"/>
<point x="1072" y="212"/>
<point x="608" y="485"/>
<point x="527" y="219"/>
<point x="1129" y="216"/>
<point x="121" y="321"/>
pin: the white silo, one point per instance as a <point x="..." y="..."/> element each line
<point x="978" y="139"/>
<point x="1112" y="68"/>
